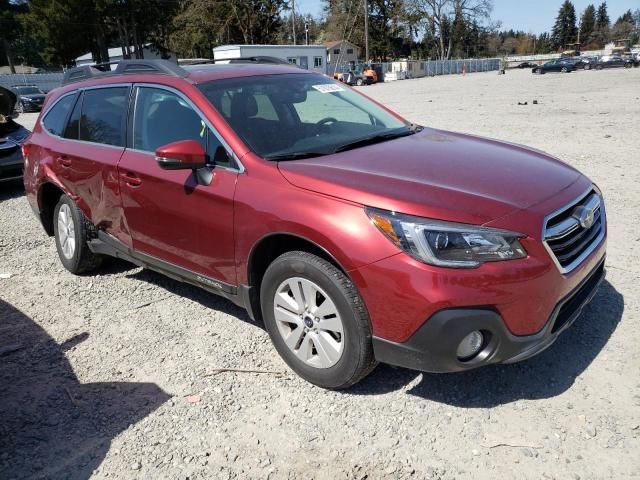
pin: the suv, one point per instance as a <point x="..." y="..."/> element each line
<point x="356" y="236"/>
<point x="31" y="98"/>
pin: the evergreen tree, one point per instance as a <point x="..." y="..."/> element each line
<point x="601" y="33"/>
<point x="564" y="30"/>
<point x="587" y="24"/>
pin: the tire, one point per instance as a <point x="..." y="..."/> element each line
<point x="359" y="82"/>
<point x="71" y="229"/>
<point x="19" y="108"/>
<point x="564" y="70"/>
<point x="627" y="65"/>
<point x="599" y="67"/>
<point x="350" y="345"/>
<point x="587" y="67"/>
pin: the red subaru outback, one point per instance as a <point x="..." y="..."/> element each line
<point x="356" y="236"/>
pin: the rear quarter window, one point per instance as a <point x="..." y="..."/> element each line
<point x="55" y="119"/>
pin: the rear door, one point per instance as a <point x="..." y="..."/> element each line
<point x="171" y="217"/>
<point x="94" y="139"/>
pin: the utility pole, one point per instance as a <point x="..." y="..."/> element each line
<point x="293" y="19"/>
<point x="306" y="32"/>
<point x="366" y="31"/>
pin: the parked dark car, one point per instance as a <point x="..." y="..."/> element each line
<point x="579" y="63"/>
<point x="527" y="65"/>
<point x="31" y="98"/>
<point x="558" y="65"/>
<point x="612" y="62"/>
<point x="11" y="137"/>
<point x="355" y="235"/>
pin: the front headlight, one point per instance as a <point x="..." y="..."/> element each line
<point x="447" y="244"/>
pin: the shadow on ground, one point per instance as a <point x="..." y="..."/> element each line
<point x="547" y="375"/>
<point x="51" y="425"/>
<point x="196" y="294"/>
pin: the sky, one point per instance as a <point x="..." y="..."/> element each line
<point x="536" y="16"/>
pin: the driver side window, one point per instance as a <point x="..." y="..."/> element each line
<point x="162" y="117"/>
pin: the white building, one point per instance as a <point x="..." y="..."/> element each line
<point x="309" y="57"/>
<point x="115" y="55"/>
<point x="341" y="52"/>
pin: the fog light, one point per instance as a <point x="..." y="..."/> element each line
<point x="470" y="345"/>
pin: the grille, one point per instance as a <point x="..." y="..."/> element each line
<point x="572" y="306"/>
<point x="575" y="231"/>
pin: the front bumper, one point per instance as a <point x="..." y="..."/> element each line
<point x="432" y="348"/>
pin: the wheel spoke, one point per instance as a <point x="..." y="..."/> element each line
<point x="304" y="352"/>
<point x="285" y="302"/>
<point x="296" y="290"/>
<point x="309" y="291"/>
<point x="328" y="349"/>
<point x="331" y="324"/>
<point x="285" y="316"/>
<point x="325" y="309"/>
<point x="294" y="338"/>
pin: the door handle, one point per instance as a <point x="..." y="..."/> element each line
<point x="63" y="161"/>
<point x="131" y="179"/>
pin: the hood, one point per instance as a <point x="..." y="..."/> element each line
<point x="8" y="101"/>
<point x="437" y="174"/>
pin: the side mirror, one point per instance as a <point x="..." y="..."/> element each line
<point x="182" y="155"/>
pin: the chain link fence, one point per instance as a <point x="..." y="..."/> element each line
<point x="401" y="70"/>
<point x="45" y="81"/>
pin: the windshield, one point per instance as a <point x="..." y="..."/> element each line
<point x="29" y="90"/>
<point x="300" y="115"/>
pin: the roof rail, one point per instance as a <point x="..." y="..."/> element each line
<point x="85" y="72"/>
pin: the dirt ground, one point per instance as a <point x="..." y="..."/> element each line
<point x="112" y="375"/>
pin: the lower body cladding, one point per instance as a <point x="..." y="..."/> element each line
<point x="460" y="339"/>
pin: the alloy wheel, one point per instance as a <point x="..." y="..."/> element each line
<point x="66" y="232"/>
<point x="309" y="322"/>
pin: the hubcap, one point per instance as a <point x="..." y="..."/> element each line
<point x="309" y="322"/>
<point x="66" y="232"/>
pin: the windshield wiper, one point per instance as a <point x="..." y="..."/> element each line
<point x="381" y="137"/>
<point x="295" y="156"/>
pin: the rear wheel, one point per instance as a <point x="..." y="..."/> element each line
<point x="316" y="320"/>
<point x="599" y="67"/>
<point x="564" y="70"/>
<point x="71" y="230"/>
<point x="19" y="107"/>
<point x="359" y="82"/>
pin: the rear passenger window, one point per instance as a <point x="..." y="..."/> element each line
<point x="54" y="120"/>
<point x="103" y="115"/>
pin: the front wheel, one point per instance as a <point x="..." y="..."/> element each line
<point x="317" y="320"/>
<point x="71" y="228"/>
<point x="359" y="82"/>
<point x="564" y="70"/>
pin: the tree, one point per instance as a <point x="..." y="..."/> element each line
<point x="10" y="29"/>
<point x="587" y="24"/>
<point x="624" y="27"/>
<point x="564" y="30"/>
<point x="439" y="16"/>
<point x="601" y="33"/>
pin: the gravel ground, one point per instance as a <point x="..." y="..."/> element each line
<point x="112" y="375"/>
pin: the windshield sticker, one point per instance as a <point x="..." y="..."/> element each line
<point x="328" y="88"/>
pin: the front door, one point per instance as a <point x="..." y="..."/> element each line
<point x="170" y="216"/>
